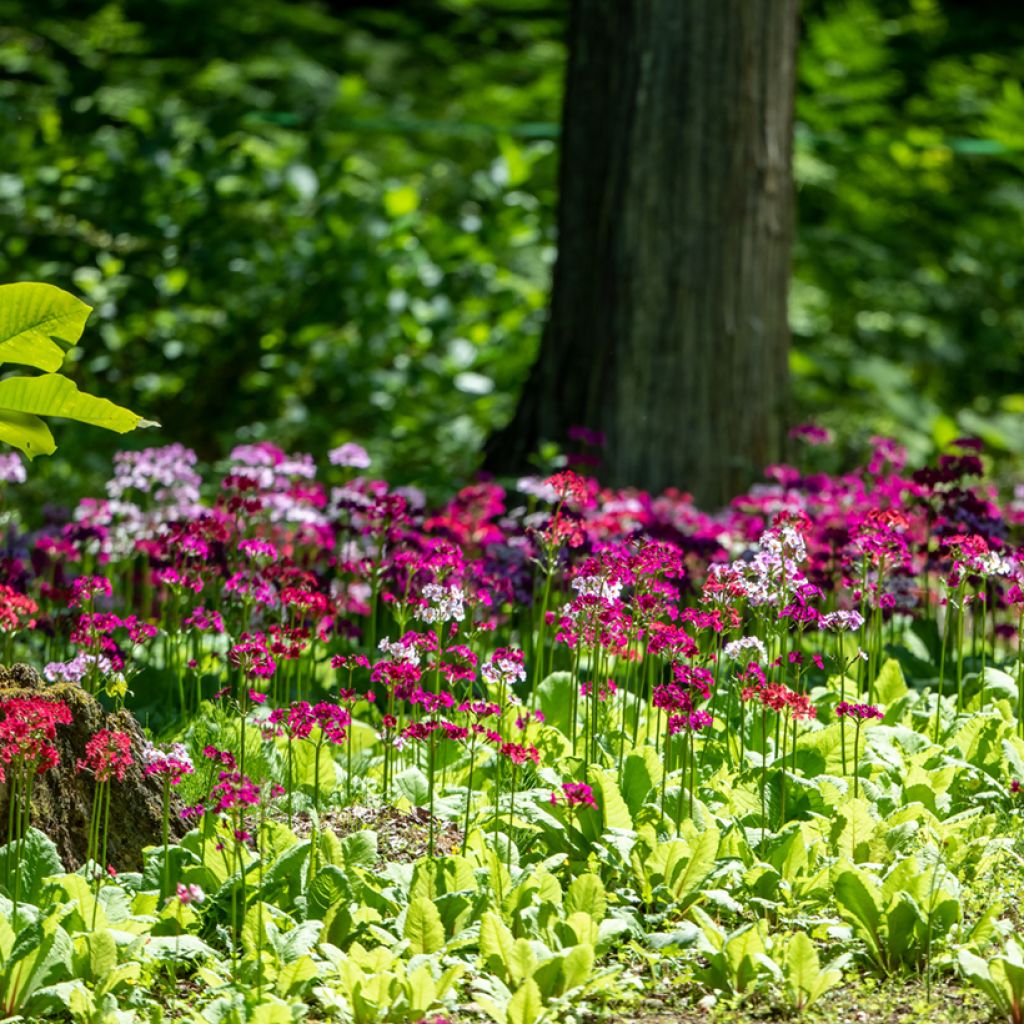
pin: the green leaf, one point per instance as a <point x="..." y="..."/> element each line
<point x="685" y="882"/>
<point x="359" y="849"/>
<point x="178" y="947"/>
<point x="576" y="966"/>
<point x="802" y="969"/>
<point x="525" y="1006"/>
<point x="854" y="831"/>
<point x="521" y="962"/>
<point x="413" y="785"/>
<point x="555" y="694"/>
<point x="496" y="942"/>
<point x="586" y="894"/>
<point x="50" y="394"/>
<point x="28" y="434"/>
<point x="612" y="807"/>
<point x="102" y="954"/>
<point x="39" y="860"/>
<point x="31" y="314"/>
<point x="423" y="927"/>
<point x="890" y="684"/>
<point x="637" y="782"/>
<point x="858" y="899"/>
<point x="329" y="888"/>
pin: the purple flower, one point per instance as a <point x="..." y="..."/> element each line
<point x="351" y="455"/>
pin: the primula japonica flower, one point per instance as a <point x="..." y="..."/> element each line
<point x="811" y="434"/>
<point x="234" y="792"/>
<point x="778" y="697"/>
<point x="16" y="610"/>
<point x="223" y="757"/>
<point x="252" y="656"/>
<point x="569" y="488"/>
<point x="258" y="550"/>
<point x="862" y="712"/>
<point x="445" y="603"/>
<point x="78" y="668"/>
<point x="28" y="730"/>
<point x="603" y="690"/>
<point x="505" y="667"/>
<point x="12" y="469"/>
<point x="192" y="893"/>
<point x="575" y="794"/>
<point x="350" y="455"/>
<point x="739" y="650"/>
<point x="692" y="722"/>
<point x="842" y="621"/>
<point x="172" y="764"/>
<point x="108" y="755"/>
<point x="519" y="754"/>
<point x="86" y="588"/>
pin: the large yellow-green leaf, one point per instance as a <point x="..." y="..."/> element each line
<point x="423" y="927"/>
<point x="29" y="433"/>
<point x="33" y="314"/>
<point x="50" y="394"/>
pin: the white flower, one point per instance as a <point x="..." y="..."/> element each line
<point x="736" y="649"/>
<point x="446" y="604"/>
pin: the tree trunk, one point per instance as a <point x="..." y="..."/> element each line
<point x="667" y="328"/>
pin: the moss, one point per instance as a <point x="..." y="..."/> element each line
<point x="62" y="798"/>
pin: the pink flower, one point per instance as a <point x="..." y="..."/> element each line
<point x="575" y="794"/>
<point x="107" y="755"/>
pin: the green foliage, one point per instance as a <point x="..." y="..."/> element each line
<point x="315" y="227"/>
<point x="276" y="227"/>
<point x="906" y="319"/>
<point x="33" y="318"/>
<point x="1000" y="977"/>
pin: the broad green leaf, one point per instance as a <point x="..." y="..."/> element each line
<point x="854" y="831"/>
<point x="413" y="785"/>
<point x="685" y="879"/>
<point x="423" y="927"/>
<point x="314" y="766"/>
<point x="178" y="947"/>
<point x="329" y="888"/>
<point x="576" y="966"/>
<point x="102" y="954"/>
<point x="986" y="977"/>
<point x="39" y="860"/>
<point x="555" y="694"/>
<point x="496" y="943"/>
<point x="521" y="962"/>
<point x="525" y="1006"/>
<point x="50" y="394"/>
<point x="31" y="314"/>
<point x="29" y="434"/>
<point x="586" y="894"/>
<point x="859" y="899"/>
<point x="421" y="990"/>
<point x="612" y="807"/>
<point x="359" y="849"/>
<point x="804" y="975"/>
<point x="890" y="684"/>
<point x="294" y="976"/>
<point x="271" y="1013"/>
<point x="637" y="781"/>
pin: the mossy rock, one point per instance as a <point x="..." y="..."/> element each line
<point x="62" y="797"/>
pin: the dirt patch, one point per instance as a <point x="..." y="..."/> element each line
<point x="402" y="836"/>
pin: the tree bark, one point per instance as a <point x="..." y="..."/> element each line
<point x="667" y="328"/>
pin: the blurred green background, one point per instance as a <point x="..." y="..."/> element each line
<point x="316" y="222"/>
